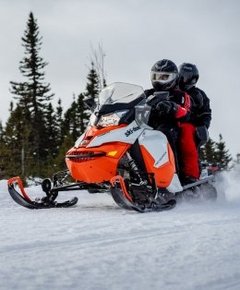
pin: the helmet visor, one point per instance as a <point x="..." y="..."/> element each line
<point x="162" y="77"/>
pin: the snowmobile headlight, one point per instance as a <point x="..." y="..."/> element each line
<point x="111" y="119"/>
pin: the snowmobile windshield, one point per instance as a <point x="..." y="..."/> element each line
<point x="119" y="93"/>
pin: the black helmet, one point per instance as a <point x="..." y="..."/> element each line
<point x="188" y="76"/>
<point x="164" y="75"/>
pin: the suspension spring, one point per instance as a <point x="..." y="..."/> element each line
<point x="134" y="167"/>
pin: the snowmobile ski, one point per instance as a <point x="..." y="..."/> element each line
<point x="161" y="206"/>
<point x="155" y="206"/>
<point x="24" y="200"/>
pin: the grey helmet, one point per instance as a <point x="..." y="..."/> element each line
<point x="164" y="75"/>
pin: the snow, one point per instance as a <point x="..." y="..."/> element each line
<point x="97" y="245"/>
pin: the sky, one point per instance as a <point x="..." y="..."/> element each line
<point x="134" y="34"/>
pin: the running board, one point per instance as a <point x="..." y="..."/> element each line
<point x="199" y="182"/>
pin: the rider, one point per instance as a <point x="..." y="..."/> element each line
<point x="201" y="113"/>
<point x="164" y="77"/>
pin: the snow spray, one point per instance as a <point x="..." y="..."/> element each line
<point x="227" y="184"/>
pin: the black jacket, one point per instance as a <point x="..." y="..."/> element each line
<point x="201" y="113"/>
<point x="180" y="111"/>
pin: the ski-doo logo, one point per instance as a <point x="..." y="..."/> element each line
<point x="131" y="131"/>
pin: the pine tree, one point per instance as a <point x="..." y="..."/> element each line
<point x="33" y="96"/>
<point x="208" y="152"/>
<point x="34" y="92"/>
<point x="74" y="124"/>
<point x="16" y="143"/>
<point x="1" y="131"/>
<point x="223" y="157"/>
<point x="92" y="87"/>
<point x="59" y="121"/>
<point x="51" y="130"/>
<point x="67" y="143"/>
<point x="216" y="154"/>
<point x="69" y="120"/>
<point x="82" y="115"/>
<point x="75" y="118"/>
<point x="2" y="152"/>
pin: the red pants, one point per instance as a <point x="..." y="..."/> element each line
<point x="188" y="151"/>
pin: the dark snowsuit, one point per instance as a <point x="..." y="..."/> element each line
<point x="180" y="117"/>
<point x="201" y="113"/>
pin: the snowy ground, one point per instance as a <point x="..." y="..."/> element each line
<point x="97" y="245"/>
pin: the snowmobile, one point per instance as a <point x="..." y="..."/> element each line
<point x="121" y="154"/>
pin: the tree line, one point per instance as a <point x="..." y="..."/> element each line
<point x="36" y="136"/>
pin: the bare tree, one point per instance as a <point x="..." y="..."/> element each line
<point x="97" y="57"/>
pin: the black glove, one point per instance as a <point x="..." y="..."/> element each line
<point x="165" y="108"/>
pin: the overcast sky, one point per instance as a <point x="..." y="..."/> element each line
<point x="134" y="34"/>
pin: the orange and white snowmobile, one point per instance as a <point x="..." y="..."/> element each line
<point x="119" y="152"/>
